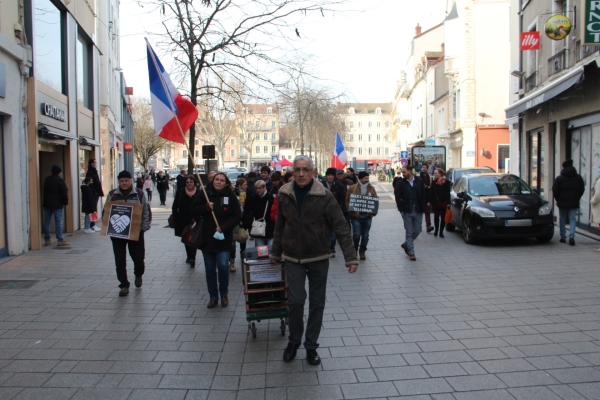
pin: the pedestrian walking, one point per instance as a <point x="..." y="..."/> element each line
<point x="439" y="200"/>
<point x="307" y="213"/>
<point x="361" y="222"/>
<point x="88" y="204"/>
<point x="183" y="215"/>
<point x="595" y="202"/>
<point x="162" y="185"/>
<point x="427" y="181"/>
<point x="148" y="187"/>
<point x="139" y="181"/>
<point x="180" y="180"/>
<point x="92" y="172"/>
<point x="339" y="192"/>
<point x="137" y="250"/>
<point x="240" y="191"/>
<point x="251" y="180"/>
<point x="567" y="189"/>
<point x="351" y="175"/>
<point x="56" y="197"/>
<point x="265" y="176"/>
<point x="153" y="176"/>
<point x="226" y="208"/>
<point x="411" y="202"/>
<point x="258" y="208"/>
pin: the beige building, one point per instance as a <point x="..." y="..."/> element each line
<point x="257" y="141"/>
<point x="555" y="113"/>
<point x="369" y="132"/>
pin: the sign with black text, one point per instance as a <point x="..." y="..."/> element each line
<point x="363" y="204"/>
<point x="122" y="220"/>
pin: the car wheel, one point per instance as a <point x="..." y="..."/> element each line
<point x="450" y="227"/>
<point x="467" y="233"/>
<point x="545" y="239"/>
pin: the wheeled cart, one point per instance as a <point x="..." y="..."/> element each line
<point x="265" y="290"/>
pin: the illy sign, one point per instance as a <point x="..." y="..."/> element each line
<point x="53" y="112"/>
<point x="530" y="40"/>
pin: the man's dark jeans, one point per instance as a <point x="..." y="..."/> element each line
<point x="137" y="251"/>
<point x="360" y="230"/>
<point x="317" y="284"/>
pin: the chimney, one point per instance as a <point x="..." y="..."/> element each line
<point x="417" y="30"/>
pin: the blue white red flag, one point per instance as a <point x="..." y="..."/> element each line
<point x="340" y="158"/>
<point x="167" y="103"/>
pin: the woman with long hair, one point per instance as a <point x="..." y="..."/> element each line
<point x="439" y="200"/>
<point x="217" y="238"/>
<point x="182" y="213"/>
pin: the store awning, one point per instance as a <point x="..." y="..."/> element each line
<point x="545" y="93"/>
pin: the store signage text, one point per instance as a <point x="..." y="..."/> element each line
<point x="530" y="40"/>
<point x="53" y="112"/>
<point x="535" y="101"/>
<point x="128" y="147"/>
<point x="591" y="18"/>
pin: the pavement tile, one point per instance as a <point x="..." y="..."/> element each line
<point x="527" y="378"/>
<point x="43" y="393"/>
<point x="576" y="375"/>
<point x="101" y="394"/>
<point x="369" y="390"/>
<point x="422" y="386"/>
<point x="534" y="393"/>
<point x="476" y="382"/>
<point x="157" y="394"/>
<point x="27" y="379"/>
<point x="322" y="391"/>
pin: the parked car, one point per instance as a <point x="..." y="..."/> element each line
<point x="173" y="175"/>
<point x="234" y="175"/>
<point x="487" y="206"/>
<point x="454" y="174"/>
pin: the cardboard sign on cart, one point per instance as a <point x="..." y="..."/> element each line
<point x="122" y="220"/>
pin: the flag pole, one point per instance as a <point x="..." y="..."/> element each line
<point x="172" y="106"/>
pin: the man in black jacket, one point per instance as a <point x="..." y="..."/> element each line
<point x="427" y="181"/>
<point x="56" y="196"/>
<point x="567" y="190"/>
<point x="339" y="192"/>
<point x="180" y="181"/>
<point x="411" y="202"/>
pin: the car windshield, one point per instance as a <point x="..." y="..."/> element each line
<point x="497" y="186"/>
<point x="460" y="172"/>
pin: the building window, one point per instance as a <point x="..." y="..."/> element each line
<point x="379" y="151"/>
<point x="257" y="124"/>
<point x="241" y="124"/>
<point x="257" y="149"/>
<point x="249" y="136"/>
<point x="378" y="137"/>
<point x="273" y="136"/>
<point x="370" y="137"/>
<point x="503" y="156"/>
<point x="387" y="124"/>
<point x="351" y="124"/>
<point x="257" y="137"/>
<point x="197" y="153"/>
<point x="378" y="124"/>
<point x="387" y="151"/>
<point x="370" y="151"/>
<point x="249" y="124"/>
<point x="273" y="150"/>
<point x="378" y="110"/>
<point x="242" y="151"/>
<point x="360" y="124"/>
<point x="360" y="151"/>
<point x="48" y="65"/>
<point x="457" y="105"/>
<point x="360" y="137"/>
<point x="272" y="124"/>
<point x="196" y="142"/>
<point x="269" y="110"/>
<point x="84" y="73"/>
<point x="232" y="141"/>
<point x="351" y="110"/>
<point x="232" y="152"/>
<point x="184" y="153"/>
<point x="266" y="136"/>
<point x="351" y="137"/>
<point x="370" y="124"/>
<point x="266" y="149"/>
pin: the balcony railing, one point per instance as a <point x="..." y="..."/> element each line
<point x="557" y="62"/>
<point x="582" y="52"/>
<point x="531" y="82"/>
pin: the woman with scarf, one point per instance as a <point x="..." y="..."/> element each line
<point x="258" y="206"/>
<point x="182" y="213"/>
<point x="217" y="237"/>
<point x="240" y="191"/>
<point x="439" y="200"/>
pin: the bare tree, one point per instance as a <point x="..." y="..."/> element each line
<point x="216" y="39"/>
<point x="146" y="142"/>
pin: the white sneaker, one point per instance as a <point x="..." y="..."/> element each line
<point x="89" y="231"/>
<point x="97" y="228"/>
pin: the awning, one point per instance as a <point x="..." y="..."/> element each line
<point x="545" y="93"/>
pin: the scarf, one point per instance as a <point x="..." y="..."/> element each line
<point x="363" y="187"/>
<point x="441" y="181"/>
<point x="190" y="193"/>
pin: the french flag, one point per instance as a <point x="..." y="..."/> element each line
<point x="340" y="158"/>
<point x="168" y="105"/>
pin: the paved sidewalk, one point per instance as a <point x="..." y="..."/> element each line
<point x="515" y="320"/>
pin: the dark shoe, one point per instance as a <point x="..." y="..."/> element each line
<point x="362" y="256"/>
<point x="313" y="357"/>
<point x="138" y="281"/>
<point x="192" y="263"/>
<point x="403" y="245"/>
<point x="290" y="352"/>
<point x="572" y="242"/>
<point x="212" y="303"/>
<point x="435" y="233"/>
<point x="563" y="240"/>
<point x="124" y="292"/>
<point x="442" y="235"/>
<point x="429" y="229"/>
<point x="413" y="257"/>
<point x="224" y="301"/>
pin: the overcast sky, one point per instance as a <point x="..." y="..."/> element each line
<point x="358" y="52"/>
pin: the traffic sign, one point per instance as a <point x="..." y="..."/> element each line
<point x="404" y="161"/>
<point x="404" y="154"/>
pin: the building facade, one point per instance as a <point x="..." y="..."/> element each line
<point x="257" y="142"/>
<point x="555" y="114"/>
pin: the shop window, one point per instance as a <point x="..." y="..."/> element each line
<point x="48" y="66"/>
<point x="503" y="158"/>
<point x="84" y="72"/>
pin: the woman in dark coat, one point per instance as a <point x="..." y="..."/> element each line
<point x="440" y="200"/>
<point x="88" y="205"/>
<point x="226" y="207"/>
<point x="255" y="208"/>
<point x="92" y="172"/>
<point x="162" y="185"/>
<point x="182" y="213"/>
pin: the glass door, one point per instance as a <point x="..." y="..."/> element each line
<point x="536" y="162"/>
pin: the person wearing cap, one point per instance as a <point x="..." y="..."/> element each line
<point x="127" y="193"/>
<point x="56" y="197"/>
<point x="567" y="190"/>
<point x="361" y="222"/>
<point x="411" y="201"/>
<point x="339" y="192"/>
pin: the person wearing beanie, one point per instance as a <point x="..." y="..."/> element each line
<point x="339" y="192"/>
<point x="361" y="222"/>
<point x="567" y="190"/>
<point x="56" y="197"/>
<point x="96" y="184"/>
<point x="125" y="192"/>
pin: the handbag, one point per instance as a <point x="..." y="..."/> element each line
<point x="242" y="235"/>
<point x="448" y="216"/>
<point x="192" y="234"/>
<point x="171" y="221"/>
<point x="94" y="216"/>
<point x="259" y="226"/>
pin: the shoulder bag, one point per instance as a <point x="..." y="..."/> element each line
<point x="192" y="234"/>
<point x="171" y="220"/>
<point x="259" y="226"/>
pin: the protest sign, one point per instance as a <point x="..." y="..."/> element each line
<point x="122" y="220"/>
<point x="363" y="204"/>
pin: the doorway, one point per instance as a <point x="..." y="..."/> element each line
<point x="50" y="154"/>
<point x="536" y="162"/>
<point x="584" y="143"/>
